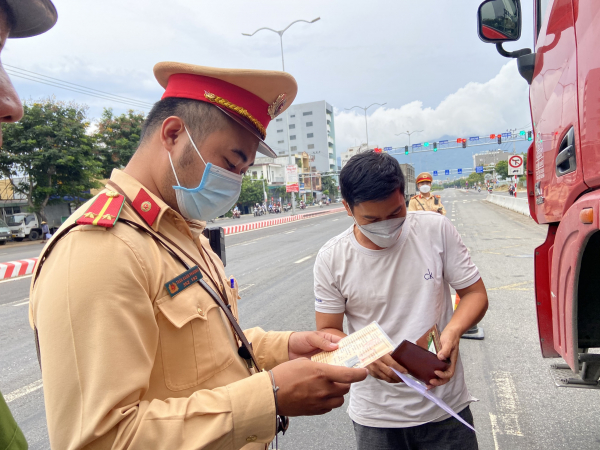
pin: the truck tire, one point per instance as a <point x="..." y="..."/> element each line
<point x="34" y="235"/>
<point x="2" y="242"/>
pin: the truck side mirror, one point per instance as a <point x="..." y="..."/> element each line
<point x="499" y="21"/>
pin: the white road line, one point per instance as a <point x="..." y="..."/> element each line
<point x="8" y="280"/>
<point x="17" y="302"/>
<point x="495" y="430"/>
<point x="334" y="220"/>
<point x="506" y="421"/>
<point x="289" y="232"/>
<point x="22" y="303"/>
<point x="453" y="220"/>
<point x="306" y="258"/>
<point x="245" y="287"/>
<point x="23" y="391"/>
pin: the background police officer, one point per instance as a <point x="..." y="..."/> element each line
<point x="425" y="201"/>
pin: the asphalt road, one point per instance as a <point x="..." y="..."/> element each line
<point x="519" y="407"/>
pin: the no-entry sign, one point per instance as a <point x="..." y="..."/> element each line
<point x="515" y="165"/>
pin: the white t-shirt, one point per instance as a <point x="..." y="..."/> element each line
<point x="405" y="288"/>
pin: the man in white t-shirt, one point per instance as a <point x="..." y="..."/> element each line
<point x="396" y="268"/>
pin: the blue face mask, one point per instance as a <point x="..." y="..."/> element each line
<point x="217" y="193"/>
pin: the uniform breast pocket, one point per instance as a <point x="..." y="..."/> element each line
<point x="193" y="342"/>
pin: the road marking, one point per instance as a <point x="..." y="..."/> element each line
<point x="16" y="279"/>
<point x="289" y="232"/>
<point x="513" y="287"/>
<point x="23" y="391"/>
<point x="453" y="220"/>
<point x="306" y="258"/>
<point x="495" y="430"/>
<point x="22" y="303"/>
<point x="507" y="420"/>
<point x="245" y="287"/>
<point x="334" y="220"/>
<point x="17" y="302"/>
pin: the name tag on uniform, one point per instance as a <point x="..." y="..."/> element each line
<point x="183" y="281"/>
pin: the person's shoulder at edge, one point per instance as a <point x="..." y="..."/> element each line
<point x="336" y="240"/>
<point x="426" y="220"/>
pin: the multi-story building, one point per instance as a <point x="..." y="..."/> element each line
<point x="490" y="157"/>
<point x="311" y="129"/>
<point x="354" y="151"/>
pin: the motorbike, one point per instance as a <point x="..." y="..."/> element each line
<point x="258" y="212"/>
<point x="302" y="206"/>
<point x="236" y="215"/>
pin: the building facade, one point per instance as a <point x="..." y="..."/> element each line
<point x="490" y="157"/>
<point x="311" y="129"/>
<point x="354" y="151"/>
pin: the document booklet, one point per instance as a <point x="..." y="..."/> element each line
<point x="359" y="349"/>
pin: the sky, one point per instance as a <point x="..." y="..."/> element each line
<point x="422" y="58"/>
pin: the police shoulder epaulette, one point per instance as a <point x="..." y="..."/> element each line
<point x="438" y="196"/>
<point x="104" y="211"/>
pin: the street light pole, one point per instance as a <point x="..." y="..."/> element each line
<point x="365" y="111"/>
<point x="287" y="122"/>
<point x="409" y="134"/>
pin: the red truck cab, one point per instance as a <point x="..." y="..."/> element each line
<point x="563" y="171"/>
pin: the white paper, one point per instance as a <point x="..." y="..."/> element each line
<point x="358" y="349"/>
<point x="422" y="389"/>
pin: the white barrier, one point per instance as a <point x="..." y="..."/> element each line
<point x="518" y="205"/>
<point x="233" y="229"/>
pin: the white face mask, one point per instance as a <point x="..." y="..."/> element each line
<point x="424" y="188"/>
<point x="383" y="234"/>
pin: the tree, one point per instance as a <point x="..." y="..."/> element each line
<point x="119" y="137"/>
<point x="252" y="192"/>
<point x="48" y="154"/>
<point x="328" y="184"/>
<point x="475" y="177"/>
<point x="501" y="169"/>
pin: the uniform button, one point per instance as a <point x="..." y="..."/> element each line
<point x="200" y="312"/>
<point x="251" y="438"/>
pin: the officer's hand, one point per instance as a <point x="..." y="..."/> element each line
<point x="308" y="388"/>
<point x="450" y="340"/>
<point x="307" y="343"/>
<point x="380" y="369"/>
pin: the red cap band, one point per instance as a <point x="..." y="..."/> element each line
<point x="186" y="85"/>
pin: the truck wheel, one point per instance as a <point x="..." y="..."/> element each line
<point x="34" y="235"/>
<point x="2" y="242"/>
<point x="18" y="239"/>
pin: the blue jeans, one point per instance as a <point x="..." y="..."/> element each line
<point x="448" y="434"/>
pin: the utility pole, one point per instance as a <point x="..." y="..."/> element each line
<point x="287" y="122"/>
<point x="365" y="111"/>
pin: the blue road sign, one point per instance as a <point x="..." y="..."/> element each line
<point x="459" y="171"/>
<point x="447" y="172"/>
<point x="387" y="149"/>
<point x="479" y="169"/>
<point x="506" y="135"/>
<point x="435" y="174"/>
<point x="417" y="145"/>
<point x="443" y="142"/>
<point x="301" y="185"/>
<point x="474" y="138"/>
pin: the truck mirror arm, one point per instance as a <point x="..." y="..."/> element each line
<point x="525" y="60"/>
<point x="515" y="54"/>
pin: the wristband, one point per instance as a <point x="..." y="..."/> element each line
<point x="281" y="422"/>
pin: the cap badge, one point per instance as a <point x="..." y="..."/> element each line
<point x="237" y="109"/>
<point x="275" y="107"/>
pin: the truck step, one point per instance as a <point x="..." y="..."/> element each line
<point x="563" y="376"/>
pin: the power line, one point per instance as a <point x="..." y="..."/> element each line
<point x="42" y="79"/>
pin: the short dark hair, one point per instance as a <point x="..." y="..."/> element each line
<point x="370" y="176"/>
<point x="201" y="118"/>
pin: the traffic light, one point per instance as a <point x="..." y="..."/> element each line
<point x="499" y="139"/>
<point x="492" y="136"/>
<point x="425" y="144"/>
<point x="464" y="143"/>
<point x="377" y="150"/>
<point x="459" y="140"/>
<point x="435" y="146"/>
<point x="522" y="133"/>
<point x="406" y="149"/>
<point x="529" y="135"/>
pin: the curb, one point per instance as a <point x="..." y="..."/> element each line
<point x="14" y="269"/>
<point x="233" y="229"/>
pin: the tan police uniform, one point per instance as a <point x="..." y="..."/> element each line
<point x="124" y="363"/>
<point x="426" y="202"/>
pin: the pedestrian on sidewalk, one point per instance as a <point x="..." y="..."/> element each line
<point x="45" y="232"/>
<point x="18" y="19"/>
<point x="396" y="268"/>
<point x="137" y="323"/>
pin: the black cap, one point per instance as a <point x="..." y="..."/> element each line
<point x="31" y="17"/>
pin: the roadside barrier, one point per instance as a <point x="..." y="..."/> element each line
<point x="14" y="269"/>
<point x="233" y="229"/>
<point x="518" y="205"/>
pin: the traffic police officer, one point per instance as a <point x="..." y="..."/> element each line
<point x="425" y="201"/>
<point x="136" y="322"/>
<point x="18" y="19"/>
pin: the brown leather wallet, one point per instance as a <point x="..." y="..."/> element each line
<point x="419" y="363"/>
